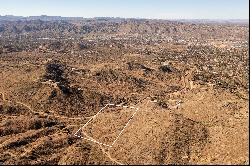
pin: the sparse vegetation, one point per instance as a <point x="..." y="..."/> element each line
<point x="189" y="82"/>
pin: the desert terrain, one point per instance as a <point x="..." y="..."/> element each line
<point x="180" y="92"/>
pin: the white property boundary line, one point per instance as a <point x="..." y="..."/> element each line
<point x="95" y="141"/>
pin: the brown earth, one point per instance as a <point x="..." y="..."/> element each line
<point x="39" y="117"/>
<point x="192" y="105"/>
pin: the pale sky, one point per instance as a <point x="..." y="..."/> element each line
<point x="161" y="9"/>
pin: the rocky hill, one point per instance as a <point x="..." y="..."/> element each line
<point x="123" y="91"/>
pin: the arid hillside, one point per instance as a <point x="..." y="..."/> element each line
<point x="123" y="92"/>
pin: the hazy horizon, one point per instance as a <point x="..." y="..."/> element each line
<point x="124" y="17"/>
<point x="145" y="9"/>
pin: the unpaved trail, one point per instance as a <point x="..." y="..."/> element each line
<point x="103" y="150"/>
<point x="186" y="93"/>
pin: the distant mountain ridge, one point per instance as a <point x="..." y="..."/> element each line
<point x="60" y="18"/>
<point x="75" y="28"/>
